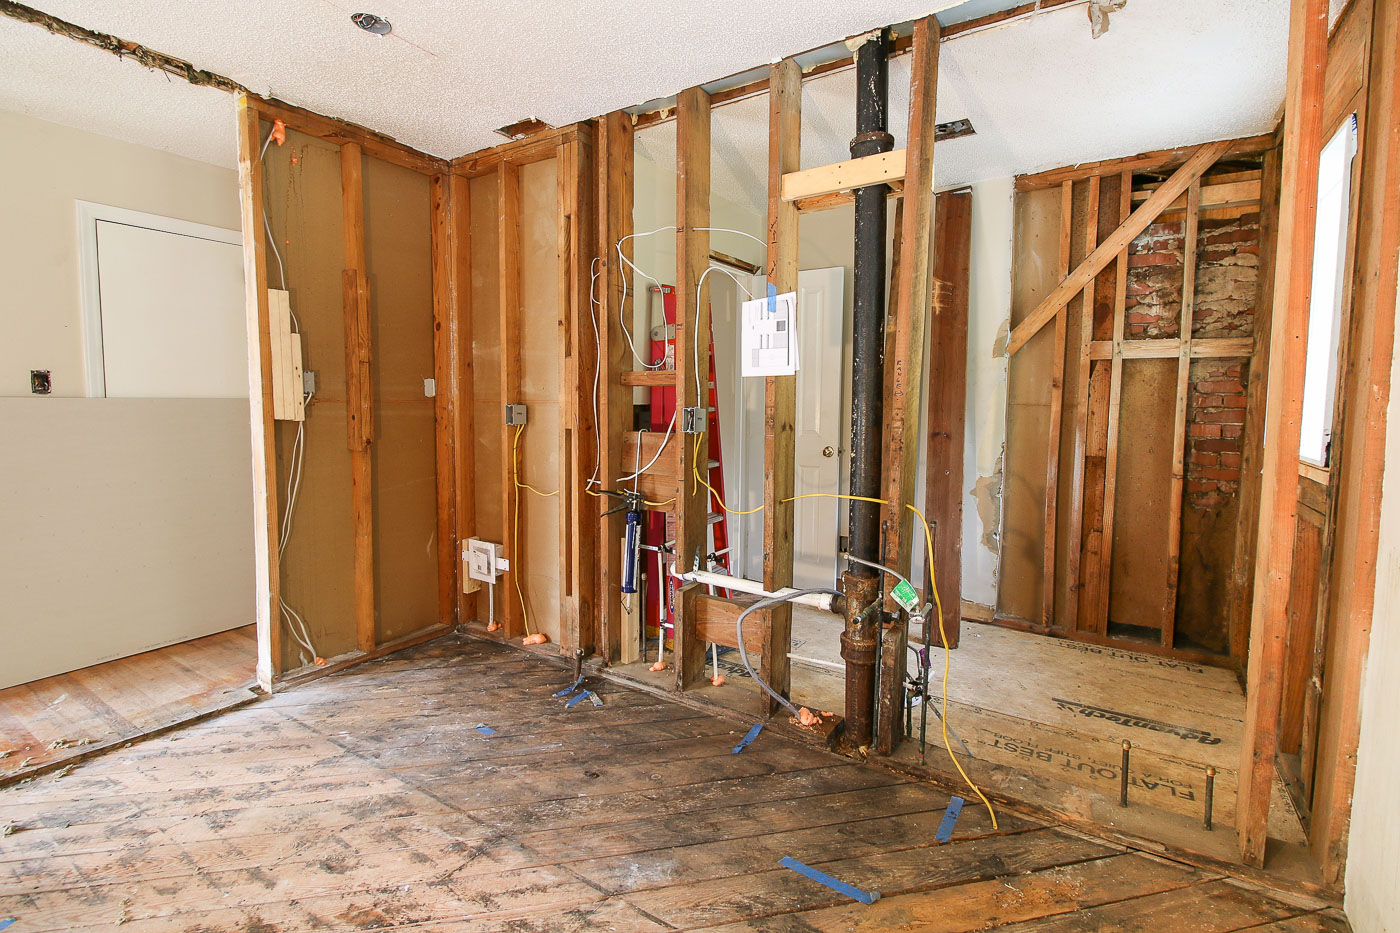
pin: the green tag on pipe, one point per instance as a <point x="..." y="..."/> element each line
<point x="905" y="595"/>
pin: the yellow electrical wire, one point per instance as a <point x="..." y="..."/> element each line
<point x="938" y="604"/>
<point x="515" y="535"/>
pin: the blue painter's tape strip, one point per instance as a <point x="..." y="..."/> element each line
<point x="821" y="877"/>
<point x="752" y="734"/>
<point x="6" y="922"/>
<point x="571" y="687"/>
<point x="484" y="730"/>
<point x="577" y="700"/>
<point x="950" y="819"/>
<point x="772" y="298"/>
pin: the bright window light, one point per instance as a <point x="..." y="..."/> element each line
<point x="1325" y="311"/>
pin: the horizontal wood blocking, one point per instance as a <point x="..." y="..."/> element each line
<point x="1226" y="194"/>
<point x="1209" y="348"/>
<point x="715" y="619"/>
<point x="659" y="482"/>
<point x="821" y="202"/>
<point x="841" y="176"/>
<point x="665" y="378"/>
<point x="1161" y="160"/>
<point x="339" y="132"/>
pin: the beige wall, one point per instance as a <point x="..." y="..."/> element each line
<point x="127" y="526"/>
<point x="1373" y="857"/>
<point x="47" y="168"/>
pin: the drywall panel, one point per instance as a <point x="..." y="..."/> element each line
<point x="1373" y="853"/>
<point x="40" y="319"/>
<point x="485" y="373"/>
<point x="128" y="525"/>
<point x="302" y="193"/>
<point x="989" y="308"/>
<point x="398" y="260"/>
<point x="1037" y="249"/>
<point x="541" y="362"/>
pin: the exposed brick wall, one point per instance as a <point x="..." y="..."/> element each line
<point x="1227" y="280"/>
<point x="1214" y="432"/>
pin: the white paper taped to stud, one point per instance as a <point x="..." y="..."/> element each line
<point x="768" y="336"/>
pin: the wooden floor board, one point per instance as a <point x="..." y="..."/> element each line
<point x="370" y="800"/>
<point x="59" y="718"/>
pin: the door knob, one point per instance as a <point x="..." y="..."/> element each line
<point x="828" y="451"/>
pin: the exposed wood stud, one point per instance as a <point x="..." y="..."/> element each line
<point x="909" y="311"/>
<point x="509" y="320"/>
<point x="463" y="385"/>
<point x="780" y="392"/>
<point x="1099" y="618"/>
<point x="1136" y="222"/>
<point x="359" y="392"/>
<point x="1278" y="504"/>
<point x="267" y="573"/>
<point x="445" y="393"/>
<point x="615" y="155"/>
<point x="943" y="496"/>
<point x="1361" y="458"/>
<point x="579" y="518"/>
<point x="1057" y="398"/>
<point x="692" y="363"/>
<point x="1183" y="394"/>
<point x="1074" y="545"/>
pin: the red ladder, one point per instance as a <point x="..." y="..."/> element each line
<point x="663" y="408"/>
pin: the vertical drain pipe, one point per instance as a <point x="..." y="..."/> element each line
<point x="860" y="584"/>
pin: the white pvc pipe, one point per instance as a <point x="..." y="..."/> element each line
<point x="817" y="600"/>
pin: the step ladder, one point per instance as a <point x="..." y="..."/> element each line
<point x="662" y="526"/>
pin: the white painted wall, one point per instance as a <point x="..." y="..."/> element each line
<point x="127" y="523"/>
<point x="49" y="167"/>
<point x="1373" y="854"/>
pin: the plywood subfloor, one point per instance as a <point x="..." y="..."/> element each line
<point x="52" y="720"/>
<point x="372" y="800"/>
<point x="1059" y="710"/>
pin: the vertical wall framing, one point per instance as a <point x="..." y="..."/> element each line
<point x="910" y="306"/>
<point x="692" y="364"/>
<point x="447" y="388"/>
<point x="1278" y="502"/>
<point x="1361" y="458"/>
<point x="614" y="218"/>
<point x="264" y="440"/>
<point x="359" y="393"/>
<point x="947" y="402"/>
<point x="780" y="392"/>
<point x="581" y="350"/>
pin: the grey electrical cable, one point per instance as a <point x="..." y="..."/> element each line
<point x="744" y="655"/>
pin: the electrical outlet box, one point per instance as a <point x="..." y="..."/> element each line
<point x="429" y="388"/>
<point x="40" y="382"/>
<point x="484" y="560"/>
<point x="308" y="382"/>
<point x="693" y="420"/>
<point x="515" y="414"/>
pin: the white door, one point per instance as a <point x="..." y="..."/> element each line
<point x="168" y="320"/>
<point x="820" y="325"/>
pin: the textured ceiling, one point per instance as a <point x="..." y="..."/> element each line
<point x="56" y="79"/>
<point x="1042" y="94"/>
<point x="1040" y="91"/>
<point x="451" y="71"/>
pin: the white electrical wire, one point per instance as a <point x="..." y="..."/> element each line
<point x="593" y="306"/>
<point x="271" y="240"/>
<point x="669" y="428"/>
<point x="627" y="332"/>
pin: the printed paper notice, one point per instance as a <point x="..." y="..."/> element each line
<point x="768" y="337"/>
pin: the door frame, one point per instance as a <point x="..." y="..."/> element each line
<point x="89" y="214"/>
